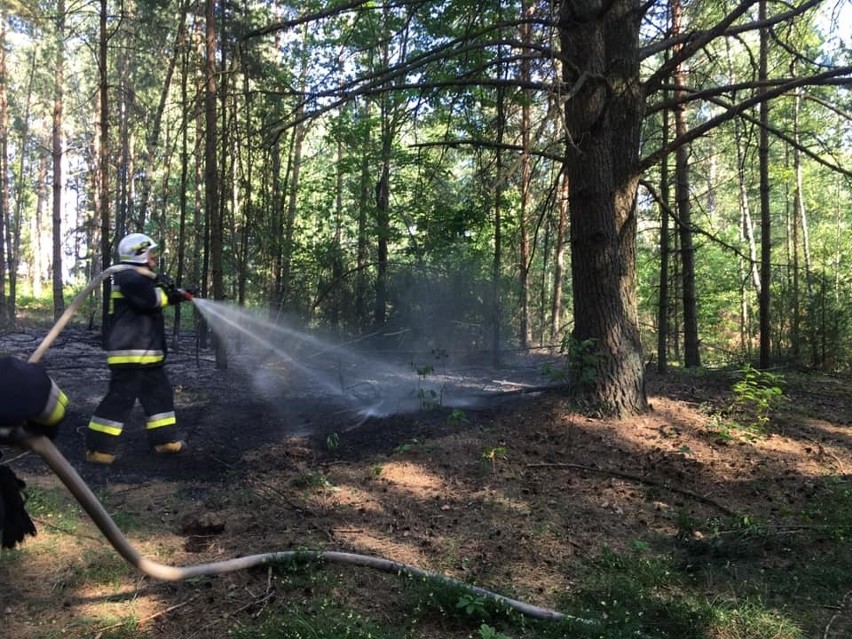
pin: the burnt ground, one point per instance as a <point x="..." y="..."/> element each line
<point x="493" y="480"/>
<point x="255" y="403"/>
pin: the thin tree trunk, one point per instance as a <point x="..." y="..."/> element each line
<point x="211" y="171"/>
<point x="765" y="220"/>
<point x="665" y="258"/>
<point x="293" y="187"/>
<point x="20" y="188"/>
<point x="58" y="159"/>
<point x="497" y="262"/>
<point x="524" y="332"/>
<point x="5" y="217"/>
<point x="559" y="253"/>
<point x="802" y="213"/>
<point x="181" y="48"/>
<point x="361" y="305"/>
<point x="153" y="138"/>
<point x="276" y="223"/>
<point x="41" y="228"/>
<point x="692" y="357"/>
<point x="102" y="163"/>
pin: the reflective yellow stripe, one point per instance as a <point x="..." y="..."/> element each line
<point x="54" y="408"/>
<point x="166" y="419"/>
<point x="111" y="428"/>
<point x="135" y="357"/>
<point x="164" y="299"/>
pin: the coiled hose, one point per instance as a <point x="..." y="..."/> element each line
<point x="45" y="448"/>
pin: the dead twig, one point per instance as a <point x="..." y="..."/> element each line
<point x="99" y="632"/>
<point x="273" y="489"/>
<point x="640" y="479"/>
<point x="840" y="609"/>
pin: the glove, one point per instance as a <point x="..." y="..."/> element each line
<point x="15" y="523"/>
<point x="164" y="281"/>
<point x="176" y="296"/>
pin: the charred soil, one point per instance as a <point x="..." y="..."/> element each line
<point x="518" y="497"/>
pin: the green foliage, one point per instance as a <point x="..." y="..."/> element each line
<point x="327" y="620"/>
<point x="487" y="632"/>
<point x="312" y="480"/>
<point x="410" y="446"/>
<point x="832" y="511"/>
<point x="429" y="398"/>
<point x="332" y="442"/>
<point x="582" y="361"/>
<point x="472" y="605"/>
<point x="457" y="417"/>
<point x="493" y="454"/>
<point x="756" y="395"/>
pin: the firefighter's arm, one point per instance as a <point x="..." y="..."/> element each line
<point x="29" y="398"/>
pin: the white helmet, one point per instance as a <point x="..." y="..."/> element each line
<point x="134" y="248"/>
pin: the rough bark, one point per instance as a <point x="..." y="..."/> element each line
<point x="600" y="42"/>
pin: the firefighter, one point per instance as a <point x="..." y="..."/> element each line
<point x="30" y="403"/>
<point x="136" y="355"/>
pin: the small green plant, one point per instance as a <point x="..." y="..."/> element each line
<point x="487" y="632"/>
<point x="457" y="417"/>
<point x="472" y="605"/>
<point x="833" y="511"/>
<point x="429" y="398"/>
<point x="584" y="358"/>
<point x="493" y="454"/>
<point x="422" y="371"/>
<point x="332" y="442"/>
<point x="312" y="480"/>
<point x="756" y="395"/>
<point x="409" y="446"/>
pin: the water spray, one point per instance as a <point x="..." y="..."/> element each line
<point x="57" y="462"/>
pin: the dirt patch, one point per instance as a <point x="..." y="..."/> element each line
<point x="515" y="496"/>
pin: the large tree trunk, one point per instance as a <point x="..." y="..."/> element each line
<point x="600" y="42"/>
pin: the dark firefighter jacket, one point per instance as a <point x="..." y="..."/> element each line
<point x="137" y="333"/>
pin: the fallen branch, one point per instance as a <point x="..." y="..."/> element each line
<point x="640" y="479"/>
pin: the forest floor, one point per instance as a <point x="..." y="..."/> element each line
<point x="523" y="496"/>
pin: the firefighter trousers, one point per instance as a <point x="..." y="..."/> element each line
<point x="150" y="385"/>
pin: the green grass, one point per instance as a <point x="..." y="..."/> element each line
<point x="685" y="589"/>
<point x="55" y="507"/>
